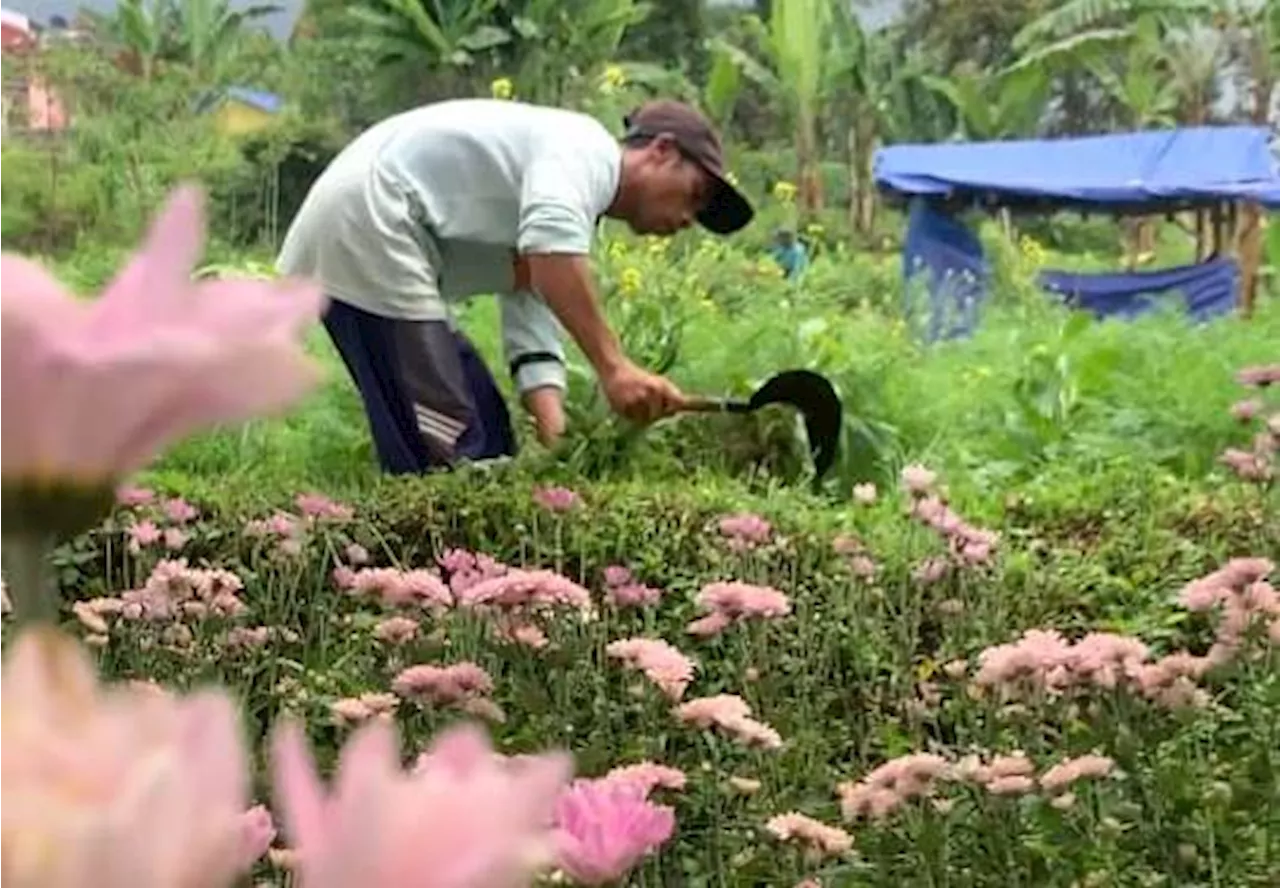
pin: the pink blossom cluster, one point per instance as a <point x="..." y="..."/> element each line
<point x="515" y="629"/>
<point x="892" y="785"/>
<point x="1259" y="376"/>
<point x="254" y="637"/>
<point x="160" y="522"/>
<point x="174" y="592"/>
<point x="443" y="685"/>
<point x="465" y="686"/>
<point x="396" y="630"/>
<point x="726" y="603"/>
<point x="526" y="590"/>
<point x="731" y="714"/>
<point x="1256" y="464"/>
<point x="856" y="556"/>
<point x="1044" y="662"/>
<point x="557" y="500"/>
<point x="819" y="839"/>
<point x="1014" y="774"/>
<point x="420" y="587"/>
<point x="661" y="663"/>
<point x="745" y="531"/>
<point x="917" y="776"/>
<point x="288" y="532"/>
<point x="465" y="569"/>
<point x="622" y="589"/>
<point x="1243" y="597"/>
<point x="605" y="828"/>
<point x="355" y="710"/>
<point x="319" y="507"/>
<point x="649" y="776"/>
<point x="967" y="545"/>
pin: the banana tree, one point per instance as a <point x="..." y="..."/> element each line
<point x="439" y="35"/>
<point x="198" y="33"/>
<point x="994" y="105"/>
<point x="564" y="42"/>
<point x="798" y="41"/>
<point x="207" y="30"/>
<point x="875" y="89"/>
<point x="1075" y="17"/>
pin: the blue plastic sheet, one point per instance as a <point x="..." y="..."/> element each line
<point x="1204" y="291"/>
<point x="946" y="274"/>
<point x="1130" y="170"/>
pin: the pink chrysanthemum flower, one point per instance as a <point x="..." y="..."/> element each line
<point x="649" y="776"/>
<point x="604" y="829"/>
<point x="731" y="714"/>
<point x="319" y="506"/>
<point x="556" y="499"/>
<point x="743" y="601"/>
<point x="526" y="589"/>
<point x="819" y="839"/>
<point x="661" y="663"/>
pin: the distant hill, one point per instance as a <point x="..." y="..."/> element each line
<point x="278" y="24"/>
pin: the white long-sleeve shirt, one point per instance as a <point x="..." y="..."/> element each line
<point x="432" y="206"/>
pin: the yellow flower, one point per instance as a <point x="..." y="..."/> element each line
<point x="613" y="78"/>
<point x="657" y="245"/>
<point x="784" y="191"/>
<point x="768" y="268"/>
<point x="502" y="88"/>
<point x="617" y="250"/>
<point x="629" y="284"/>
<point x="731" y="179"/>
<point x="813" y="229"/>
<point x="1032" y="251"/>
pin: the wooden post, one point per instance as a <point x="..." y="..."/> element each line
<point x="1250" y="251"/>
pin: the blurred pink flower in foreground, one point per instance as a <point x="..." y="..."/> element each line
<point x="1259" y="376"/>
<point x="95" y="389"/>
<point x="119" y="787"/>
<point x="463" y="817"/>
<point x="604" y="828"/>
<point x="864" y="493"/>
<point x="258" y="831"/>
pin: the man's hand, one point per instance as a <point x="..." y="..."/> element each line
<point x="546" y="406"/>
<point x="564" y="281"/>
<point x="640" y="396"/>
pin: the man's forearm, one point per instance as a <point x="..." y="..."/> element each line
<point x="564" y="282"/>
<point x="546" y="405"/>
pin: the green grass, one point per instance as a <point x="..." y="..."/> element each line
<point x="1034" y="386"/>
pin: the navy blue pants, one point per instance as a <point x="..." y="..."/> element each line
<point x="429" y="398"/>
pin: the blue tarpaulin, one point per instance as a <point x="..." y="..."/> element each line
<point x="940" y="247"/>
<point x="1204" y="290"/>
<point x="1140" y="170"/>
<point x="1144" y="172"/>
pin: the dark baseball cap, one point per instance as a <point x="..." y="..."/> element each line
<point x="727" y="210"/>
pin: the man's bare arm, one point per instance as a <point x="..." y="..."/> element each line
<point x="565" y="282"/>
<point x="546" y="406"/>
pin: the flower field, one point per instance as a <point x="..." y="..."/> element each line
<point x="905" y="698"/>
<point x="1015" y="655"/>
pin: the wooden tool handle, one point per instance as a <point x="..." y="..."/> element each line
<point x="715" y="405"/>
